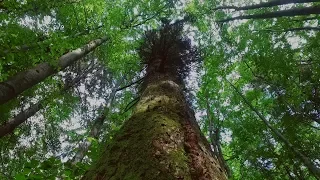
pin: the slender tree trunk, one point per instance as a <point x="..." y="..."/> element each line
<point x="305" y="160"/>
<point x="24" y="80"/>
<point x="94" y="133"/>
<point x="215" y="140"/>
<point x="95" y="130"/>
<point x="283" y="13"/>
<point x="265" y="4"/>
<point x="13" y="123"/>
<point x="161" y="140"/>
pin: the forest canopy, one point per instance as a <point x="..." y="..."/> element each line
<point x="74" y="72"/>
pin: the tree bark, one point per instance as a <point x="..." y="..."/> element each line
<point x="265" y="4"/>
<point x="306" y="161"/>
<point x="283" y="13"/>
<point x="24" y="80"/>
<point x="13" y="123"/>
<point x="162" y="139"/>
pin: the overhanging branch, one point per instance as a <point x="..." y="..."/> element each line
<point x="283" y="13"/>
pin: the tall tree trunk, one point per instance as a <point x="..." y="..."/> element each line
<point x="283" y="13"/>
<point x="161" y="140"/>
<point x="24" y="80"/>
<point x="265" y="4"/>
<point x="20" y="118"/>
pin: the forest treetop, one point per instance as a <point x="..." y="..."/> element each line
<point x="258" y="78"/>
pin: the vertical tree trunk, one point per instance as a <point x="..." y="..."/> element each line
<point x="161" y="140"/>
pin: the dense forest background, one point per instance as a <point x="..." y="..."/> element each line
<point x="255" y="89"/>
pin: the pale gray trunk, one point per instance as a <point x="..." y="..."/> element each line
<point x="26" y="79"/>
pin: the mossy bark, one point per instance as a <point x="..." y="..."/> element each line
<point x="161" y="140"/>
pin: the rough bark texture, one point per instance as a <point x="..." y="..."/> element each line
<point x="161" y="140"/>
<point x="25" y="80"/>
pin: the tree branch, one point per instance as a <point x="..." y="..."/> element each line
<point x="291" y="29"/>
<point x="264" y="4"/>
<point x="283" y="13"/>
<point x="135" y="82"/>
<point x="131" y="104"/>
<point x="306" y="161"/>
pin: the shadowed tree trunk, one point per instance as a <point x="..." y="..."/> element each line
<point x="265" y="4"/>
<point x="161" y="140"/>
<point x="283" y="13"/>
<point x="24" y="80"/>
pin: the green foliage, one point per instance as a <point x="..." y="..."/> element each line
<point x="278" y="72"/>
